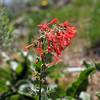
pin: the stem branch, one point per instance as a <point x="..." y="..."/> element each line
<point x="40" y="84"/>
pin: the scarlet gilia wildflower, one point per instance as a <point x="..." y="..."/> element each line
<point x="53" y="21"/>
<point x="56" y="36"/>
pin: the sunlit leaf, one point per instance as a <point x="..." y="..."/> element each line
<point x="3" y="86"/>
<point x="27" y="89"/>
<point x="19" y="69"/>
<point x="97" y="66"/>
<point x="5" y="73"/>
<point x="81" y="83"/>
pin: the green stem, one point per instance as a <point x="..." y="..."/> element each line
<point x="42" y="70"/>
<point x="42" y="77"/>
<point x="40" y="85"/>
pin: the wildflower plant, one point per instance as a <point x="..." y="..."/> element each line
<point x="28" y="77"/>
<point x="53" y="38"/>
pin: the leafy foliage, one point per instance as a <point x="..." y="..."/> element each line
<point x="16" y="80"/>
<point x="81" y="83"/>
<point x="22" y="82"/>
<point x="5" y="28"/>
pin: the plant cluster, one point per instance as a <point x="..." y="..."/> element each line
<point x="28" y="78"/>
<point x="53" y="38"/>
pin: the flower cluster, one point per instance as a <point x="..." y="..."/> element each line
<point x="56" y="35"/>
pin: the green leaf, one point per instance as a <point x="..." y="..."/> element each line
<point x="5" y="76"/>
<point x="38" y="65"/>
<point x="54" y="68"/>
<point x="19" y="69"/>
<point x="81" y="83"/>
<point x="3" y="86"/>
<point x="48" y="58"/>
<point x="15" y="97"/>
<point x="57" y="93"/>
<point x="28" y="89"/>
<point x="5" y="73"/>
<point x="97" y="66"/>
<point x="86" y="64"/>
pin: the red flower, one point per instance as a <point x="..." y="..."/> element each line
<point x="72" y="30"/>
<point x="68" y="35"/>
<point x="66" y="24"/>
<point x="53" y="21"/>
<point x="49" y="49"/>
<point x="39" y="51"/>
<point x="57" y="38"/>
<point x="44" y="27"/>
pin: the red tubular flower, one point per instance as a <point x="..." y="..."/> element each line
<point x="68" y="35"/>
<point x="53" y="21"/>
<point x="39" y="51"/>
<point x="66" y="24"/>
<point x="44" y="27"/>
<point x="49" y="49"/>
<point x="72" y="30"/>
<point x="57" y="38"/>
